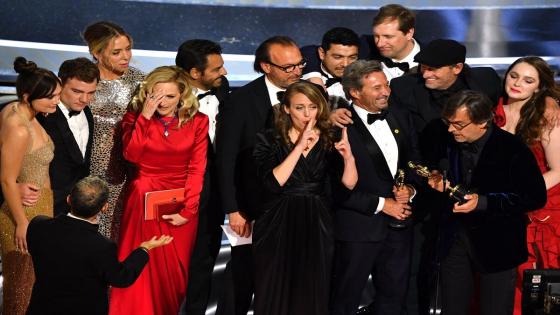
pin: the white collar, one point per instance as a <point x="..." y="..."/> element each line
<point x="272" y="91"/>
<point x="410" y="57"/>
<point x="78" y="218"/>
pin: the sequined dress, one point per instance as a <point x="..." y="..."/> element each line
<point x="17" y="268"/>
<point x="108" y="108"/>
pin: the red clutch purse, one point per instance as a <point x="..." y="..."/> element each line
<point x="161" y="202"/>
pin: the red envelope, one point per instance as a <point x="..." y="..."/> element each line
<point x="158" y="203"/>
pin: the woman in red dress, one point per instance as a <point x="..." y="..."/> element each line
<point x="165" y="137"/>
<point x="530" y="110"/>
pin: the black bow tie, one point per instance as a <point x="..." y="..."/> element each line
<point x="371" y="118"/>
<point x="73" y="113"/>
<point x="331" y="81"/>
<point x="401" y="65"/>
<point x="203" y="95"/>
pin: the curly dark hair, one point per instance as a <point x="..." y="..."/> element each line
<point x="282" y="120"/>
<point x="532" y="121"/>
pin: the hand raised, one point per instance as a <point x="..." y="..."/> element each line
<point x="151" y="104"/>
<point x="343" y="146"/>
<point x="308" y="136"/>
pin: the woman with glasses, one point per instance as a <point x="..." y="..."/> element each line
<point x="529" y="108"/>
<point x="293" y="239"/>
<point x="111" y="48"/>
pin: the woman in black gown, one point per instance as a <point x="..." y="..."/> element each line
<point x="293" y="239"/>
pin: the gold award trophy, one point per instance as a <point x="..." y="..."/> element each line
<point x="399" y="183"/>
<point x="456" y="192"/>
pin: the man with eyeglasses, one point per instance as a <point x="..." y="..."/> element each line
<point x="443" y="72"/>
<point x="486" y="235"/>
<point x="248" y="111"/>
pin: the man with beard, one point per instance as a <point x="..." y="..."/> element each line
<point x="203" y="62"/>
<point x="338" y="49"/>
<point x="249" y="110"/>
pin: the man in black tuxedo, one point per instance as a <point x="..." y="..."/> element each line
<point x="248" y="111"/>
<point x="203" y="62"/>
<point x="486" y="235"/>
<point x="339" y="48"/>
<point x="71" y="129"/>
<point x="443" y="72"/>
<point x="382" y="141"/>
<point x="74" y="264"/>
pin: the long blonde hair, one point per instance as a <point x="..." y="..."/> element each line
<point x="188" y="103"/>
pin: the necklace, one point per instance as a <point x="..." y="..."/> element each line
<point x="166" y="125"/>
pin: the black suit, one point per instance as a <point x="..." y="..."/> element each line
<point x="409" y="93"/>
<point x="247" y="111"/>
<point x="365" y="243"/>
<point x="491" y="240"/>
<point x="68" y="165"/>
<point x="74" y="265"/>
<point x="209" y="232"/>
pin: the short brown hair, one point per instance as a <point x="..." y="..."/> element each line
<point x="80" y="68"/>
<point x="406" y="18"/>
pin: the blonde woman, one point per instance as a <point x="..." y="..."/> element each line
<point x="111" y="48"/>
<point x="165" y="137"/>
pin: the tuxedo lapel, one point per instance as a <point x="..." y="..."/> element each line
<point x="263" y="104"/>
<point x="89" y="117"/>
<point x="68" y="137"/>
<point x="371" y="146"/>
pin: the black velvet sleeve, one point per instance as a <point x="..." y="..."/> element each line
<point x="121" y="274"/>
<point x="266" y="158"/>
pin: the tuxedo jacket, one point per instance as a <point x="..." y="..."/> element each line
<point x="409" y="93"/>
<point x="247" y="111"/>
<point x="508" y="176"/>
<point x="355" y="218"/>
<point x="74" y="265"/>
<point x="68" y="165"/>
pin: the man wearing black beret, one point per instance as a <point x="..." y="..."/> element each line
<point x="443" y="72"/>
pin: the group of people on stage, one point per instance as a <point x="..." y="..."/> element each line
<point x="371" y="156"/>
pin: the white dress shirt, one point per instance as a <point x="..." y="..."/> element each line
<point x="395" y="72"/>
<point x="272" y="91"/>
<point x="209" y="105"/>
<point x="79" y="126"/>
<point x="383" y="136"/>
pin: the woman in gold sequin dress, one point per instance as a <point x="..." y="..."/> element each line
<point x="111" y="47"/>
<point x="26" y="151"/>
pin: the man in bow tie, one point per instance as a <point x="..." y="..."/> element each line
<point x="71" y="129"/>
<point x="382" y="141"/>
<point x="338" y="49"/>
<point x="203" y="62"/>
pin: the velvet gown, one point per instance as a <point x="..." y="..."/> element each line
<point x="163" y="162"/>
<point x="543" y="230"/>
<point x="293" y="239"/>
